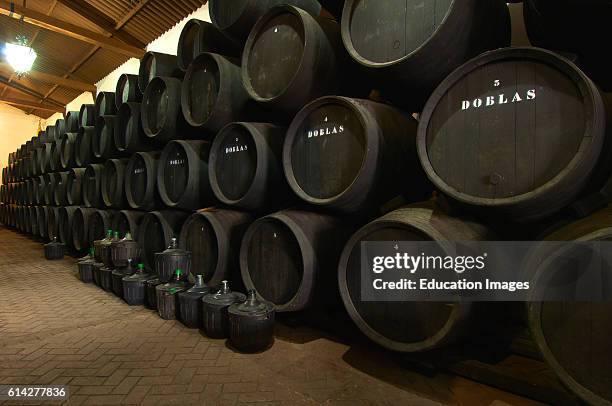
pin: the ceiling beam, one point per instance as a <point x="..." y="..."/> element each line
<point x="135" y="9"/>
<point x="53" y="24"/>
<point x="32" y="105"/>
<point x="102" y="21"/>
<point x="26" y="90"/>
<point x="53" y="79"/>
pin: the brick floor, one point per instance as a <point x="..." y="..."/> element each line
<point x="56" y="330"/>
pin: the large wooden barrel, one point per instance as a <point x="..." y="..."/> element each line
<point x="33" y="221"/>
<point x="50" y="180"/>
<point x="74" y="186"/>
<point x="213" y="237"/>
<point x="156" y="231"/>
<point x="291" y="58"/>
<point x="573" y="337"/>
<point x="55" y="163"/>
<point x="49" y="135"/>
<point x="71" y="122"/>
<point x="112" y="183"/>
<point x="411" y="46"/>
<point x="141" y="181"/>
<point x="245" y="166"/>
<point x="130" y="137"/>
<point x="127" y="90"/>
<point x="80" y="228"/>
<point x="92" y="186"/>
<point x="237" y="18"/>
<point x="41" y="214"/>
<point x="67" y="150"/>
<point x="128" y="221"/>
<point x="525" y="142"/>
<point x="44" y="157"/>
<point x="286" y="258"/>
<point x="60" y="193"/>
<point x="83" y="146"/>
<point x="100" y="221"/>
<point x="182" y="175"/>
<point x="42" y="186"/>
<point x="103" y="143"/>
<point x="105" y="104"/>
<point x="200" y="36"/>
<point x="29" y="191"/>
<point x="65" y="225"/>
<point x="53" y="223"/>
<point x="161" y="115"/>
<point x="60" y="128"/>
<point x="353" y="155"/>
<point x="407" y="326"/>
<point x="35" y="169"/>
<point x="574" y="26"/>
<point x="155" y="64"/>
<point x="213" y="94"/>
<point x="87" y="115"/>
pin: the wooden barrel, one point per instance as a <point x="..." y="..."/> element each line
<point x="83" y="146"/>
<point x="292" y="58"/>
<point x="34" y="220"/>
<point x="53" y="223"/>
<point x="112" y="183"/>
<point x="406" y="326"/>
<point x="50" y="180"/>
<point x="67" y="150"/>
<point x="105" y="104"/>
<point x="213" y="237"/>
<point x="411" y="46"/>
<point x="87" y="115"/>
<point x="65" y="225"/>
<point x="155" y="64"/>
<point x="103" y="143"/>
<point x="60" y="128"/>
<point x="80" y="228"/>
<point x="42" y="186"/>
<point x="156" y="231"/>
<point x="100" y="221"/>
<point x="71" y="122"/>
<point x="547" y="25"/>
<point x="182" y="175"/>
<point x="161" y="115"/>
<point x="34" y="169"/>
<point x="44" y="157"/>
<point x="127" y="90"/>
<point x="237" y="18"/>
<point x="29" y="191"/>
<point x="55" y="163"/>
<point x="200" y="36"/>
<point x="353" y="155"/>
<point x="286" y="258"/>
<point x="245" y="166"/>
<point x="49" y="135"/>
<point x="213" y="94"/>
<point x="128" y="221"/>
<point x="141" y="181"/>
<point x="41" y="214"/>
<point x="60" y="193"/>
<point x="130" y="137"/>
<point x="524" y="143"/>
<point x="91" y="184"/>
<point x="574" y="337"/>
<point x="74" y="186"/>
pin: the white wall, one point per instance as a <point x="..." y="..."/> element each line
<point x="166" y="43"/>
<point x="17" y="128"/>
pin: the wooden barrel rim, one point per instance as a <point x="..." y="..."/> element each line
<point x="109" y="196"/>
<point x="348" y="41"/>
<point x="224" y="87"/>
<point x="309" y="49"/>
<point x="534" y="317"/>
<point x="145" y="69"/>
<point x="458" y="311"/>
<point x="593" y="109"/>
<point x="372" y="137"/>
<point x="129" y="169"/>
<point x="222" y="240"/>
<point x="158" y="83"/>
<point x="166" y="230"/>
<point x="182" y="59"/>
<point x="127" y="112"/>
<point x="258" y="179"/>
<point x="213" y="15"/>
<point x="309" y="261"/>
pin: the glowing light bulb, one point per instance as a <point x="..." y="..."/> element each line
<point x="20" y="57"/>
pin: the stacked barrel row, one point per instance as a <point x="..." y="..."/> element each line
<point x="263" y="149"/>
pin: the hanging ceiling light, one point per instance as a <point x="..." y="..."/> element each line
<point x="20" y="56"/>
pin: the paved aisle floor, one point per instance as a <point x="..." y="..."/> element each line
<point x="56" y="330"/>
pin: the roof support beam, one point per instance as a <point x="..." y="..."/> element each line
<point x="95" y="16"/>
<point x="53" y="79"/>
<point x="53" y="24"/>
<point x="31" y="104"/>
<point x="27" y="91"/>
